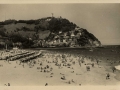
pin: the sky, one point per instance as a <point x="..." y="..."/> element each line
<point x="100" y="19"/>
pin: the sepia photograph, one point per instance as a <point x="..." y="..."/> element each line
<point x="60" y="44"/>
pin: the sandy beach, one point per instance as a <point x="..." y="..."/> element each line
<point x="56" y="69"/>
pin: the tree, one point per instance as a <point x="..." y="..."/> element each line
<point x="2" y="31"/>
<point x="8" y="44"/>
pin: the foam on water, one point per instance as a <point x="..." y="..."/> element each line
<point x="117" y="67"/>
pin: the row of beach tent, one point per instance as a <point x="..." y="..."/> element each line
<point x="6" y="55"/>
<point x="20" y="56"/>
<point x="23" y="56"/>
<point x="28" y="58"/>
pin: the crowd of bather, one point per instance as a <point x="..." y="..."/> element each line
<point x="60" y="60"/>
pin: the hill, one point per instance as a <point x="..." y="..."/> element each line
<point x="47" y="32"/>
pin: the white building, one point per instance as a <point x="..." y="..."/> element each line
<point x="96" y="43"/>
<point x="54" y="41"/>
<point x="60" y="32"/>
<point x="72" y="34"/>
<point x="64" y="40"/>
<point x="77" y="28"/>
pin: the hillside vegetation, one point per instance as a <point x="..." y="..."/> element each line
<point x="46" y="32"/>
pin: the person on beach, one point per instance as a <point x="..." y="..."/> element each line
<point x="8" y="84"/>
<point x="1" y="65"/>
<point x="92" y="64"/>
<point x="23" y="65"/>
<point x="97" y="61"/>
<point x="114" y="69"/>
<point x="88" y="68"/>
<point x="46" y="84"/>
<point x="79" y="62"/>
<point x="107" y="76"/>
<point x="82" y="60"/>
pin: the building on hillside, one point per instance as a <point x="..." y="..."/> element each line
<point x="90" y="41"/>
<point x="80" y="30"/>
<point x="64" y="40"/>
<point x="65" y="34"/>
<point x="48" y="19"/>
<point x="43" y="43"/>
<point x="80" y="33"/>
<point x="60" y="32"/>
<point x="58" y="40"/>
<point x="77" y="28"/>
<point x="17" y="44"/>
<point x="72" y="44"/>
<point x="72" y="35"/>
<point x="77" y="36"/>
<point x="56" y="37"/>
<point x="50" y="43"/>
<point x="70" y="39"/>
<point x="96" y="43"/>
<point x="54" y="41"/>
<point x="61" y="39"/>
